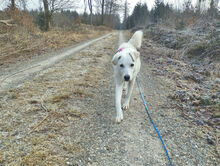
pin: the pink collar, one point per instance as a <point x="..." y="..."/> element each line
<point x="120" y="50"/>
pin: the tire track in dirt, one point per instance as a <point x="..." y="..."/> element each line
<point x="30" y="135"/>
<point x="18" y="76"/>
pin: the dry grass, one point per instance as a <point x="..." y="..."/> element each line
<point x="19" y="44"/>
<point x="196" y="50"/>
<point x="39" y="144"/>
<point x="74" y="113"/>
<point x="24" y="40"/>
<point x="33" y="135"/>
<point x="59" y="98"/>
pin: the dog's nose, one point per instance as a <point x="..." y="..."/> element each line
<point x="127" y="77"/>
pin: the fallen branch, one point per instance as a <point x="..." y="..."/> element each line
<point x="42" y="106"/>
<point x="48" y="114"/>
<point x="36" y="126"/>
<point x="6" y="22"/>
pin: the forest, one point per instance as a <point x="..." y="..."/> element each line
<point x="57" y="89"/>
<point x="112" y="13"/>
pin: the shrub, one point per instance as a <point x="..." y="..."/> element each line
<point x="197" y="50"/>
<point x="180" y="25"/>
<point x="40" y="21"/>
<point x="20" y="18"/>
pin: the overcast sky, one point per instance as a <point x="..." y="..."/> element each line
<point x="150" y="3"/>
<point x="34" y="4"/>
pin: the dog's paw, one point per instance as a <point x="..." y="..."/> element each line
<point x="119" y="118"/>
<point x="125" y="106"/>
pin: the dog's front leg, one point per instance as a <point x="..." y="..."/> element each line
<point x="128" y="95"/>
<point x="118" y="95"/>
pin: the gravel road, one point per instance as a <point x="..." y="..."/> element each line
<point x="65" y="115"/>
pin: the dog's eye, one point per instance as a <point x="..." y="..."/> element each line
<point x="132" y="65"/>
<point x="121" y="65"/>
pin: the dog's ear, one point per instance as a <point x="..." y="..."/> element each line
<point x="134" y="55"/>
<point x="115" y="59"/>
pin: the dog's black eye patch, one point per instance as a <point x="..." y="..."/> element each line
<point x="132" y="65"/>
<point x="121" y="65"/>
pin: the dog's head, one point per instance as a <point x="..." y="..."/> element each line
<point x="125" y="63"/>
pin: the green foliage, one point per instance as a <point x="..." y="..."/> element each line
<point x="38" y="18"/>
<point x="206" y="101"/>
<point x="41" y="21"/>
<point x="85" y="18"/>
<point x="161" y="11"/>
<point x="140" y="13"/>
<point x="180" y="25"/>
<point x="65" y="19"/>
<point x="140" y="16"/>
<point x="197" y="50"/>
<point x="71" y="19"/>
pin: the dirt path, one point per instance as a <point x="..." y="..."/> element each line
<point x="66" y="116"/>
<point x="18" y="74"/>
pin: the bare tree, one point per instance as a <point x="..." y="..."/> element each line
<point x="90" y="9"/>
<point x="202" y="5"/>
<point x="51" y="6"/>
<point x="85" y="6"/>
<point x="46" y="15"/>
<point x="12" y="4"/>
<point x="187" y="5"/>
<point x="103" y="5"/>
<point x="23" y="4"/>
<point x="109" y="6"/>
<point x="100" y="4"/>
<point x="56" y="5"/>
<point x="213" y="10"/>
<point x="199" y="5"/>
<point x="126" y="8"/>
<point x="112" y="6"/>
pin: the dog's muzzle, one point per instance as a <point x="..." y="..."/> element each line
<point x="126" y="77"/>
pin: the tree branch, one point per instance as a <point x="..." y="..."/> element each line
<point x="6" y="22"/>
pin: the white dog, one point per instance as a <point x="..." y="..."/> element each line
<point x="126" y="67"/>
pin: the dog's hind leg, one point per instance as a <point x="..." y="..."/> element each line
<point x="128" y="95"/>
<point x="118" y="95"/>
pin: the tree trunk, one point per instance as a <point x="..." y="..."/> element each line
<point x="110" y="8"/>
<point x="199" y="6"/>
<point x="85" y="6"/>
<point x="103" y="4"/>
<point x="46" y="15"/>
<point x="125" y="11"/>
<point x="90" y="8"/>
<point x="13" y="4"/>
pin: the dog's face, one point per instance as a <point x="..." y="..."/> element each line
<point x="125" y="62"/>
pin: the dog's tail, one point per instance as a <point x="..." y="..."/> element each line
<point x="136" y="39"/>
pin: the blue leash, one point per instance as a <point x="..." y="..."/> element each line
<point x="148" y="113"/>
